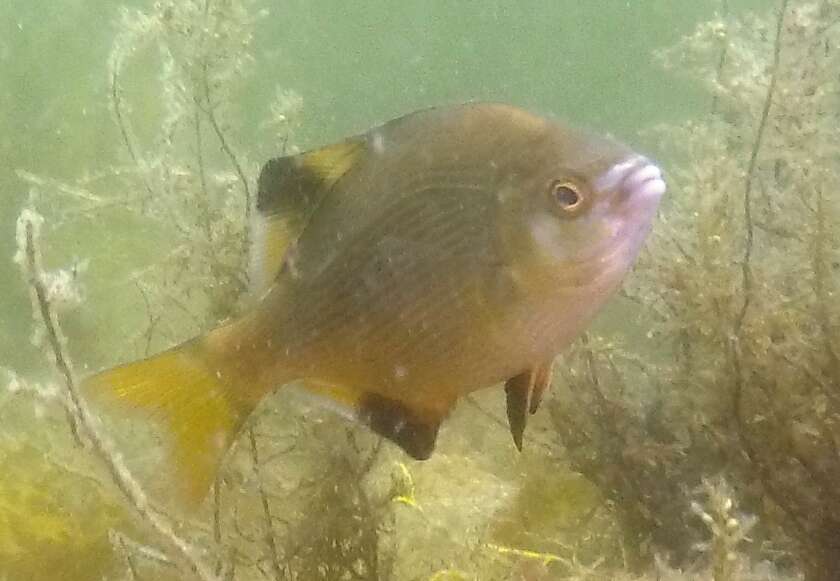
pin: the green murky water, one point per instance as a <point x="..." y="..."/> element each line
<point x="684" y="410"/>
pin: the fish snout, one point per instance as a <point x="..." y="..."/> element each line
<point x="634" y="179"/>
<point x="644" y="181"/>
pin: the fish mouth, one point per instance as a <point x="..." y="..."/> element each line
<point x="644" y="181"/>
<point x="636" y="177"/>
<point x="632" y="190"/>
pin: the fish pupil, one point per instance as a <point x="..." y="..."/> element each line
<point x="566" y="196"/>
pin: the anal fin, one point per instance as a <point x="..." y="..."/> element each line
<point x="524" y="392"/>
<point x="415" y="431"/>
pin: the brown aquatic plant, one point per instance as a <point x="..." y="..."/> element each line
<point x="739" y="293"/>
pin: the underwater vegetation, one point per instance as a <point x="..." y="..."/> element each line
<point x="706" y="449"/>
<point x="742" y="285"/>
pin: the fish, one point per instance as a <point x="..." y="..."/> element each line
<point x="394" y="272"/>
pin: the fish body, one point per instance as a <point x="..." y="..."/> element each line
<point x="446" y="251"/>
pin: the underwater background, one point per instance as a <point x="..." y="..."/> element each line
<point x="693" y="434"/>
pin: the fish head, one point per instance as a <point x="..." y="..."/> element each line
<point x="589" y="203"/>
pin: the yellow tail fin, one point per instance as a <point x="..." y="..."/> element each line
<point x="198" y="403"/>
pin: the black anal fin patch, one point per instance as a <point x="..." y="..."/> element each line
<point x="518" y="391"/>
<point x="394" y="420"/>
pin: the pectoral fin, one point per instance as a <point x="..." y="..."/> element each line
<point x="542" y="381"/>
<point x="518" y="390"/>
<point x="524" y="393"/>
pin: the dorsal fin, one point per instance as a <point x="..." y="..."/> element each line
<point x="290" y="190"/>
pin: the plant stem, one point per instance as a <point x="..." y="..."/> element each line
<point x="119" y="471"/>
<point x="266" y="506"/>
<point x="226" y="148"/>
<point x="62" y="363"/>
<point x="749" y="226"/>
<point x="122" y="124"/>
<point x="821" y="278"/>
<point x="735" y="348"/>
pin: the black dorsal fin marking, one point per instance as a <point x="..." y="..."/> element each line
<point x="290" y="189"/>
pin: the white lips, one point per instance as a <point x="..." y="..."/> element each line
<point x="646" y="181"/>
<point x="636" y="175"/>
<point x="613" y="176"/>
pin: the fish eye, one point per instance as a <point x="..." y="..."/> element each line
<point x="567" y="196"/>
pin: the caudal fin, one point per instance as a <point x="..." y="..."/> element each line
<point x="199" y="405"/>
